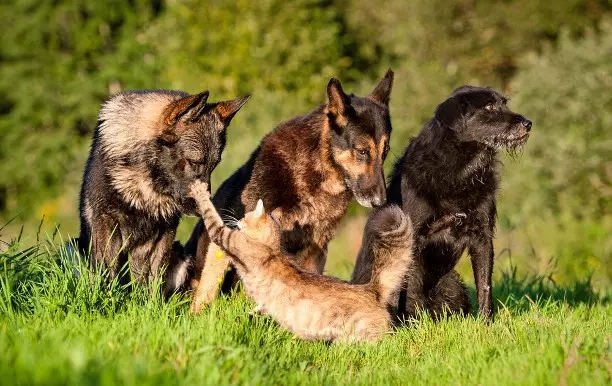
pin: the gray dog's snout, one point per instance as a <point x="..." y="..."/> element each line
<point x="527" y="123"/>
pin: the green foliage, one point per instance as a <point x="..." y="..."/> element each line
<point x="59" y="60"/>
<point x="244" y="46"/>
<point x="563" y="182"/>
<point x="481" y="40"/>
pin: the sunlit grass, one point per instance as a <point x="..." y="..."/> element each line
<point x="57" y="328"/>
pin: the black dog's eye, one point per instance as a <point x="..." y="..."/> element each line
<point x="490" y="107"/>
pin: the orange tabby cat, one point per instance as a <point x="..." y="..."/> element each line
<point x="312" y="306"/>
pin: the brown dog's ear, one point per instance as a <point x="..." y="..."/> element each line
<point x="450" y="113"/>
<point x="228" y="109"/>
<point x="382" y="92"/>
<point x="338" y="104"/>
<point x="186" y="109"/>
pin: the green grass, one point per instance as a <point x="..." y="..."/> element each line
<point x="57" y="329"/>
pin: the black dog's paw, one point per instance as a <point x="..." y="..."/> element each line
<point x="458" y="218"/>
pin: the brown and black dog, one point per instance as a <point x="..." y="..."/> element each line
<point x="147" y="148"/>
<point x="310" y="167"/>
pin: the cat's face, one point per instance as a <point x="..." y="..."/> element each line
<point x="261" y="226"/>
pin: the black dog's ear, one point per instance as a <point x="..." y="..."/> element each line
<point x="382" y="92"/>
<point x="338" y="104"/>
<point x="450" y="113"/>
<point x="227" y="109"/>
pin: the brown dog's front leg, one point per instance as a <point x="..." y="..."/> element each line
<point x="481" y="253"/>
<point x="312" y="258"/>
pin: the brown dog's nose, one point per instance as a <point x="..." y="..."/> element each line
<point x="379" y="200"/>
<point x="527" y="123"/>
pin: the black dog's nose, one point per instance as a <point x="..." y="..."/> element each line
<point x="527" y="123"/>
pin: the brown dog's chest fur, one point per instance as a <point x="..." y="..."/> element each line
<point x="291" y="170"/>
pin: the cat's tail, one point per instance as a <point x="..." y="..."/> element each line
<point x="386" y="251"/>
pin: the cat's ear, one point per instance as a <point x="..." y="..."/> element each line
<point x="276" y="215"/>
<point x="259" y="209"/>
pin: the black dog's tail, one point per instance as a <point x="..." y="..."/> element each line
<point x="386" y="251"/>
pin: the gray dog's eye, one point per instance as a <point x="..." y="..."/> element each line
<point x="490" y="107"/>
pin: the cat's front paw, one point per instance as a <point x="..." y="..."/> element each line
<point x="199" y="190"/>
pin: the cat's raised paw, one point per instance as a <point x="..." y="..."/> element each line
<point x="199" y="190"/>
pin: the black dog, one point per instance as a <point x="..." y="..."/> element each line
<point x="446" y="181"/>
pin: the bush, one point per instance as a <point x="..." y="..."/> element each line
<point x="558" y="195"/>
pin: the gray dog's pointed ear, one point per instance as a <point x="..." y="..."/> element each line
<point x="227" y="109"/>
<point x="189" y="108"/>
<point x="450" y="113"/>
<point x="382" y="92"/>
<point x="338" y="104"/>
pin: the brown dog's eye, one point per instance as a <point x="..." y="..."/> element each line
<point x="362" y="152"/>
<point x="490" y="107"/>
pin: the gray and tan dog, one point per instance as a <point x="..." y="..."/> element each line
<point x="148" y="146"/>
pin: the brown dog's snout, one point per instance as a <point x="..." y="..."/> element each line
<point x="379" y="198"/>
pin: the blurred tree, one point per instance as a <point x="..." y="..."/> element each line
<point x="235" y="47"/>
<point x="482" y="40"/>
<point x="58" y="61"/>
<point x="560" y="191"/>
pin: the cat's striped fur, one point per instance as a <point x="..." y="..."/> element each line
<point x="313" y="306"/>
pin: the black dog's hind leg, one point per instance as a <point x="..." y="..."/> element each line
<point x="449" y="295"/>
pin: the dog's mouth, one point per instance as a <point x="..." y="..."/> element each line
<point x="511" y="142"/>
<point x="369" y="197"/>
<point x="365" y="202"/>
<point x="370" y="201"/>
